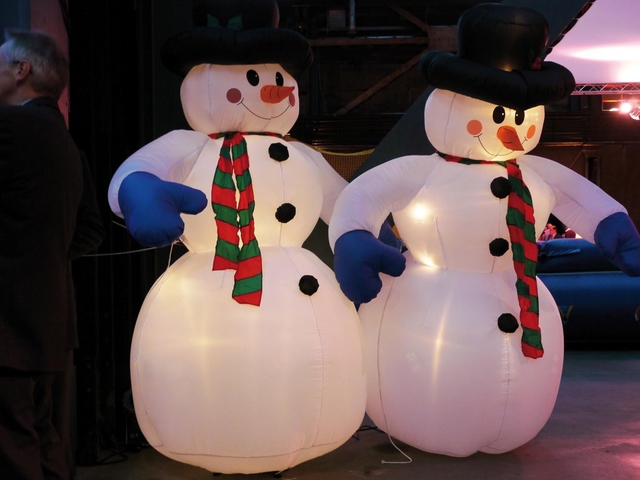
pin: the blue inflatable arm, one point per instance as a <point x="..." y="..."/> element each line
<point x="358" y="260"/>
<point x="151" y="207"/>
<point x="618" y="240"/>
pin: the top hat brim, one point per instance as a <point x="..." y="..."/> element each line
<point x="225" y="46"/>
<point x="518" y="89"/>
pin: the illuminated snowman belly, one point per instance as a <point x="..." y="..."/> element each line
<point x="239" y="388"/>
<point x="459" y="385"/>
<point x="212" y="378"/>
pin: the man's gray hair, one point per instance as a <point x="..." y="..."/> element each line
<point x="49" y="66"/>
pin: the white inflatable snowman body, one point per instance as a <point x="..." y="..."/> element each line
<point x="441" y="375"/>
<point x="238" y="388"/>
<point x="457" y="360"/>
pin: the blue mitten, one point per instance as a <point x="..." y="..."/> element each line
<point x="151" y="207"/>
<point x="618" y="240"/>
<point x="358" y="260"/>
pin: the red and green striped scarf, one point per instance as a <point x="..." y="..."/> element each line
<point x="232" y="217"/>
<point x="521" y="225"/>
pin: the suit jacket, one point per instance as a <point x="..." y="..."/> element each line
<point x="87" y="237"/>
<point x="41" y="185"/>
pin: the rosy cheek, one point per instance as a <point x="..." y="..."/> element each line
<point x="531" y="132"/>
<point x="234" y="95"/>
<point x="292" y="100"/>
<point x="474" y="127"/>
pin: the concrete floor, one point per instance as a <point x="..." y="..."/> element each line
<point x="593" y="434"/>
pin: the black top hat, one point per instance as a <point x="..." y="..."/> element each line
<point x="233" y="33"/>
<point x="498" y="59"/>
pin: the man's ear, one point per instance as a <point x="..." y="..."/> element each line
<point x="23" y="70"/>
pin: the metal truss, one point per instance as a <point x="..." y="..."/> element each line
<point x="606" y="88"/>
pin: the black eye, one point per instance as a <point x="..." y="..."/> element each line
<point x="279" y="79"/>
<point x="519" y="117"/>
<point x="253" y="78"/>
<point x="498" y="114"/>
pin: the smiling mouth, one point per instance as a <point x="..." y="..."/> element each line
<point x="494" y="155"/>
<point x="264" y="118"/>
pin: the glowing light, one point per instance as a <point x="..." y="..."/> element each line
<point x="610" y="53"/>
<point x="438" y="352"/>
<point x="630" y="71"/>
<point x="419" y="212"/>
<point x="625" y="107"/>
<point x="425" y="260"/>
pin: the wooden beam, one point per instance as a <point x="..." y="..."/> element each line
<point x="367" y="41"/>
<point x="443" y="38"/>
<point x="380" y="85"/>
<point x="412" y="18"/>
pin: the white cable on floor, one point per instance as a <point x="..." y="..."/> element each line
<point x="397" y="448"/>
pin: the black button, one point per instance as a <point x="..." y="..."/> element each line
<point x="308" y="284"/>
<point x="285" y="213"/>
<point x="498" y="247"/>
<point x="507" y="323"/>
<point x="278" y="152"/>
<point x="500" y="187"/>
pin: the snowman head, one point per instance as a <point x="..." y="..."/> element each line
<point x="488" y="102"/>
<point x="467" y="127"/>
<point x="238" y="67"/>
<point x="240" y="98"/>
<point x="498" y="59"/>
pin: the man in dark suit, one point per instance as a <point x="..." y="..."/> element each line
<point x="42" y="227"/>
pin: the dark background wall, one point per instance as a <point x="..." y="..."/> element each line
<point x="121" y="98"/>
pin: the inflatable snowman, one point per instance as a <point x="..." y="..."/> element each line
<point x="246" y="356"/>
<point x="464" y="349"/>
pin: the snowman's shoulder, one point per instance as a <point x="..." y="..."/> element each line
<point x="186" y="138"/>
<point x="534" y="161"/>
<point x="308" y="153"/>
<point x="564" y="182"/>
<point x="395" y="182"/>
<point x="169" y="157"/>
<point x="549" y="170"/>
<point x="317" y="159"/>
<point x="173" y="146"/>
<point x="419" y="162"/>
<point x="303" y="148"/>
<point x="407" y="169"/>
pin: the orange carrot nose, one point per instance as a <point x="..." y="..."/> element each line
<point x="275" y="94"/>
<point x="509" y="138"/>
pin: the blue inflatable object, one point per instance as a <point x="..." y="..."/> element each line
<point x="618" y="240"/>
<point x="151" y="208"/>
<point x="598" y="303"/>
<point x="359" y="258"/>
